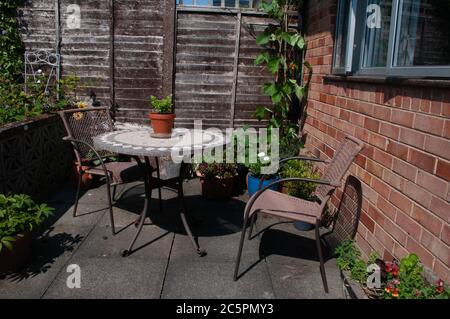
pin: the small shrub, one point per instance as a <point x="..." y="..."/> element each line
<point x="19" y="214"/>
<point x="300" y="169"/>
<point x="162" y="106"/>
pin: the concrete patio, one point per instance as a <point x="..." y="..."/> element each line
<point x="280" y="262"/>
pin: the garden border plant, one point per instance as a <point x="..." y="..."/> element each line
<point x="402" y="279"/>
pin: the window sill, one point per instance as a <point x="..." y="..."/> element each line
<point x="419" y="82"/>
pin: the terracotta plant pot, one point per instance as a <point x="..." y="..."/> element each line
<point x="13" y="260"/>
<point x="86" y="179"/>
<point x="162" y="124"/>
<point x="215" y="187"/>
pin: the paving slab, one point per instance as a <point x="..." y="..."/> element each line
<point x="187" y="279"/>
<point x="111" y="277"/>
<point x="50" y="253"/>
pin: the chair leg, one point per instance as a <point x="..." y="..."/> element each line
<point x="114" y="193"/>
<point x="320" y="253"/>
<point x="252" y="223"/>
<point x="77" y="198"/>
<point x="241" y="245"/>
<point x="160" y="199"/>
<point x="111" y="216"/>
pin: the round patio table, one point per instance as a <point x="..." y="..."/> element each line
<point x="140" y="144"/>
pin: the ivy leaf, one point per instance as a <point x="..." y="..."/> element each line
<point x="300" y="92"/>
<point x="263" y="38"/>
<point x="260" y="113"/>
<point x="301" y="44"/>
<point x="263" y="57"/>
<point x="274" y="65"/>
<point x="270" y="89"/>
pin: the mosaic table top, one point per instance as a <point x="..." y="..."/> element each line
<point x="140" y="143"/>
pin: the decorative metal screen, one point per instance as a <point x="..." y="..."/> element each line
<point x="42" y="69"/>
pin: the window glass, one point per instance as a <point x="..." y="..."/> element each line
<point x="423" y="36"/>
<point x="376" y="38"/>
<point x="341" y="33"/>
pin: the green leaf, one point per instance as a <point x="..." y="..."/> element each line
<point x="263" y="38"/>
<point x="263" y="57"/>
<point x="274" y="65"/>
<point x="301" y="44"/>
<point x="270" y="88"/>
<point x="300" y="92"/>
<point x="260" y="113"/>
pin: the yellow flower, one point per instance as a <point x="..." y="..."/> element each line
<point x="82" y="105"/>
<point x="78" y="116"/>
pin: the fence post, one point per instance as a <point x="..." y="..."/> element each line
<point x="235" y="67"/>
<point x="169" y="45"/>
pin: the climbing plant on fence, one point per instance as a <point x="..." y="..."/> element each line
<point x="282" y="55"/>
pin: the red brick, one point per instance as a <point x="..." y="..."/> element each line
<point x="368" y="222"/>
<point x="442" y="271"/>
<point x="378" y="140"/>
<point x="383" y="158"/>
<point x="432" y="183"/>
<point x="404" y="169"/>
<point x="440" y="208"/>
<point x="425" y="257"/>
<point x="411" y="137"/>
<point x="380" y="187"/>
<point x="374" y="168"/>
<point x="360" y="160"/>
<point x="427" y="220"/>
<point x="422" y="160"/>
<point x="443" y="169"/>
<point x="384" y="238"/>
<point x="435" y="246"/>
<point x="387" y="255"/>
<point x="438" y="146"/>
<point x="394" y="180"/>
<point x="344" y="115"/>
<point x="389" y="130"/>
<point x="446" y="234"/>
<point x="371" y="124"/>
<point x="416" y="193"/>
<point x="408" y="225"/>
<point x="386" y="208"/>
<point x="382" y="113"/>
<point x="429" y="124"/>
<point x="447" y="129"/>
<point x="397" y="150"/>
<point x="402" y="118"/>
<point x="399" y="251"/>
<point x="395" y="231"/>
<point x="400" y="201"/>
<point x="363" y="245"/>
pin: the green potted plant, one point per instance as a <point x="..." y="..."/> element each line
<point x="255" y="175"/>
<point x="19" y="216"/>
<point x="162" y="118"/>
<point x="303" y="190"/>
<point x="217" y="179"/>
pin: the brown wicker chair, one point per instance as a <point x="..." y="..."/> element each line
<point x="81" y="126"/>
<point x="274" y="203"/>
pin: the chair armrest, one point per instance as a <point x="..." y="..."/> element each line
<point x="304" y="158"/>
<point x="283" y="180"/>
<point x="75" y="143"/>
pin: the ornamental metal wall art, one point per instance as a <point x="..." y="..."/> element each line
<point x="42" y="73"/>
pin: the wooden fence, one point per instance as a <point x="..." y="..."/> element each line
<point x="125" y="51"/>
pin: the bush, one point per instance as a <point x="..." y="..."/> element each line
<point x="19" y="214"/>
<point x="220" y="170"/>
<point x="162" y="106"/>
<point x="300" y="169"/>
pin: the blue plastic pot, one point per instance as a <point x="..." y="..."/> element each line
<point x="304" y="226"/>
<point x="253" y="183"/>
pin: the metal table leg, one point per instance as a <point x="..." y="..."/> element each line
<point x="147" y="169"/>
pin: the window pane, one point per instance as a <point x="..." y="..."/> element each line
<point x="424" y="33"/>
<point x="341" y="33"/>
<point x="376" y="39"/>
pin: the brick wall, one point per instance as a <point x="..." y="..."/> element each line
<point x="405" y="166"/>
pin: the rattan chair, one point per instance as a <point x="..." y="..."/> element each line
<point x="274" y="203"/>
<point x="81" y="126"/>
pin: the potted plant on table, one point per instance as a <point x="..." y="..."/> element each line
<point x="162" y="118"/>
<point x="303" y="190"/>
<point x="217" y="179"/>
<point x="256" y="180"/>
<point x="19" y="216"/>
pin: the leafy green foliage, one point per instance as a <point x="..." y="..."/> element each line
<point x="162" y="106"/>
<point x="282" y="48"/>
<point x="301" y="169"/>
<point x="220" y="170"/>
<point x="346" y="255"/>
<point x="15" y="104"/>
<point x="19" y="214"/>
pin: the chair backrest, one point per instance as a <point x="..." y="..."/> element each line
<point x="339" y="166"/>
<point x="83" y="125"/>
